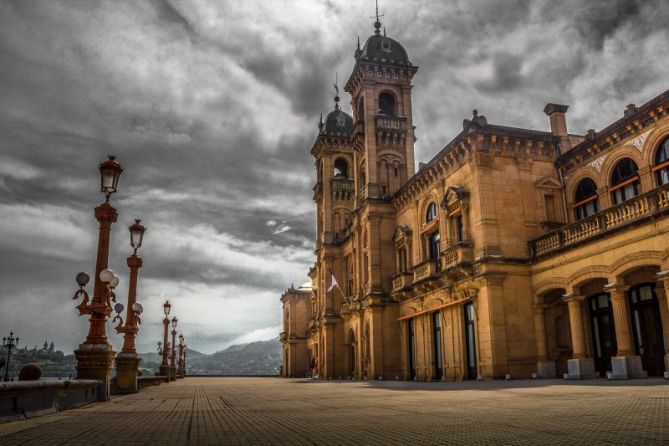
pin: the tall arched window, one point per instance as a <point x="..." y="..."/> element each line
<point x="624" y="181"/>
<point x="386" y="104"/>
<point x="433" y="246"/>
<point x="585" y="199"/>
<point x="662" y="163"/>
<point x="341" y="168"/>
<point x="431" y="212"/>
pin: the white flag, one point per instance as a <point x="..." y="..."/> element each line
<point x="334" y="283"/>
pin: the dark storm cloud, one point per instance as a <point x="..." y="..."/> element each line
<point x="212" y="109"/>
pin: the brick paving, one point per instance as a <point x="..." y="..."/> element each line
<point x="273" y="411"/>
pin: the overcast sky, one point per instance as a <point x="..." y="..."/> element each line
<point x="212" y="106"/>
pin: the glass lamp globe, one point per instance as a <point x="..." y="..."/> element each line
<point x="106" y="275"/>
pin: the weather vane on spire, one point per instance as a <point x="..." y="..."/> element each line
<point x="336" y="85"/>
<point x="377" y="24"/>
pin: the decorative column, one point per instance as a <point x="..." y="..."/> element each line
<point x="580" y="366"/>
<point x="127" y="362"/>
<point x="545" y="368"/>
<point x="663" y="276"/>
<point x="173" y="365"/>
<point x="625" y="364"/>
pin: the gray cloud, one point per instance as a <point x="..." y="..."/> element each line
<point x="212" y="109"/>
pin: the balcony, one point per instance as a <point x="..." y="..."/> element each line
<point x="391" y="123"/>
<point x="459" y="254"/>
<point x="402" y="281"/>
<point x="637" y="209"/>
<point x="426" y="275"/>
<point x="342" y="189"/>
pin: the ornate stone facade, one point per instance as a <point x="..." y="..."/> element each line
<point x="512" y="252"/>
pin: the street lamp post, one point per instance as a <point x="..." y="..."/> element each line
<point x="180" y="365"/>
<point x="183" y="373"/>
<point x="94" y="356"/>
<point x="173" y="366"/>
<point x="9" y="343"/>
<point x="164" y="366"/>
<point x="127" y="362"/>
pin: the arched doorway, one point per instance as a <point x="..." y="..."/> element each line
<point x="437" y="346"/>
<point x="603" y="331"/>
<point x="411" y="348"/>
<point x="647" y="327"/>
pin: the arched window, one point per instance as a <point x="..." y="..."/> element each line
<point x="662" y="163"/>
<point x="624" y="181"/>
<point x="341" y="168"/>
<point x="585" y="199"/>
<point x="386" y="104"/>
<point x="431" y="213"/>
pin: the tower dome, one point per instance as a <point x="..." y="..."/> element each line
<point x="383" y="49"/>
<point x="337" y="122"/>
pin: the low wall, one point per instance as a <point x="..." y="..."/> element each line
<point x="24" y="399"/>
<point x="146" y="381"/>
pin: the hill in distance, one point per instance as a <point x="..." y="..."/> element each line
<point x="255" y="358"/>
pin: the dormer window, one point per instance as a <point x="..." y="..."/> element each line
<point x="386" y="104"/>
<point x="586" y="202"/>
<point x="625" y="181"/>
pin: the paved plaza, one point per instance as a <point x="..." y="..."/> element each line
<point x="268" y="411"/>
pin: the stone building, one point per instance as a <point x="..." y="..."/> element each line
<point x="512" y="251"/>
<point x="296" y="314"/>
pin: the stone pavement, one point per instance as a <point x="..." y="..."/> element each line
<point x="269" y="411"/>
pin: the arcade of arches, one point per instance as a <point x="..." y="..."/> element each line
<point x="511" y="252"/>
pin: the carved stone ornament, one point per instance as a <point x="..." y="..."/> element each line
<point x="597" y="164"/>
<point x="639" y="141"/>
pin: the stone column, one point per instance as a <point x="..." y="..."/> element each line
<point x="625" y="364"/>
<point x="545" y="368"/>
<point x="580" y="366"/>
<point x="663" y="277"/>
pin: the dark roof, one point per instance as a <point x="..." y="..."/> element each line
<point x="383" y="49"/>
<point x="598" y="137"/>
<point x="338" y="122"/>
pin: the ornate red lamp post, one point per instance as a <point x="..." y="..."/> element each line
<point x="173" y="365"/>
<point x="127" y="362"/>
<point x="165" y="367"/>
<point x="94" y="356"/>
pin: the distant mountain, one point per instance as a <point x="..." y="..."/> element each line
<point x="255" y="358"/>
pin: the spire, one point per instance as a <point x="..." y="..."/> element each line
<point x="377" y="24"/>
<point x="320" y="123"/>
<point x="358" y="43"/>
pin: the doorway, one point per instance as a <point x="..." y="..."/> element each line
<point x="603" y="331"/>
<point x="470" y="341"/>
<point x="436" y="339"/>
<point x="647" y="327"/>
<point x="411" y="348"/>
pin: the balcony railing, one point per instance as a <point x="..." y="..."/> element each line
<point x="342" y="184"/>
<point x="456" y="255"/>
<point x="391" y="122"/>
<point x="642" y="206"/>
<point x="401" y="281"/>
<point x="426" y="269"/>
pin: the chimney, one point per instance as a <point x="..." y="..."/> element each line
<point x="556" y="114"/>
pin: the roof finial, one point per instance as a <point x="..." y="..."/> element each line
<point x="377" y="24"/>
<point x="320" y="123"/>
<point x="358" y="43"/>
<point x="336" y="98"/>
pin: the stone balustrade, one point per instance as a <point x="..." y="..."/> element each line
<point x="615" y="217"/>
<point x="401" y="281"/>
<point x="391" y="122"/>
<point x="426" y="270"/>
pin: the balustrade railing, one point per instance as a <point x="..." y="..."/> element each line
<point x="616" y="216"/>
<point x="391" y="122"/>
<point x="402" y="280"/>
